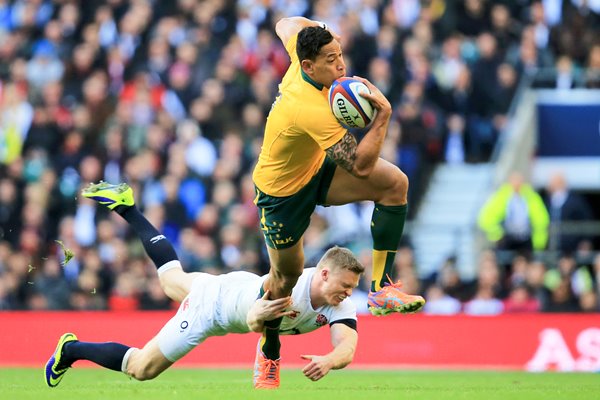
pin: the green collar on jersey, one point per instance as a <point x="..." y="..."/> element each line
<point x="308" y="79"/>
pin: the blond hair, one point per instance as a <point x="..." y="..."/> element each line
<point x="341" y="258"/>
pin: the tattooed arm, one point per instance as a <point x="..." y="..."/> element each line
<point x="344" y="152"/>
<point x="359" y="158"/>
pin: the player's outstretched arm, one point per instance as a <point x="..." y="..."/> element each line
<point x="266" y="310"/>
<point x="288" y="27"/>
<point x="344" y="341"/>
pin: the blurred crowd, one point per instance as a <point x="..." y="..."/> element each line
<point x="523" y="285"/>
<point x="172" y="97"/>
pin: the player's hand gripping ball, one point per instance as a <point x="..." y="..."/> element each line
<point x="349" y="107"/>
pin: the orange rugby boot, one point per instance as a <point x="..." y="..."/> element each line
<point x="391" y="299"/>
<point x="266" y="372"/>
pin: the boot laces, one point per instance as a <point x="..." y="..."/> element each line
<point x="269" y="368"/>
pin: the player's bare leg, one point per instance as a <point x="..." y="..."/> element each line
<point x="177" y="283"/>
<point x="146" y="363"/>
<point x="286" y="267"/>
<point x="387" y="186"/>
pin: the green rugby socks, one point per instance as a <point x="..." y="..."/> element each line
<point x="387" y="225"/>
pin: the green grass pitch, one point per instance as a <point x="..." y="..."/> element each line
<point x="94" y="383"/>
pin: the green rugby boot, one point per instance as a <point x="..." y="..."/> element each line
<point x="109" y="195"/>
<point x="54" y="372"/>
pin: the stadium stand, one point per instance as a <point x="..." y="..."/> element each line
<point x="172" y="98"/>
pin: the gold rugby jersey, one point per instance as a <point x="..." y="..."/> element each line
<point x="299" y="128"/>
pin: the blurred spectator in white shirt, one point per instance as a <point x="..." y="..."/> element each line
<point x="440" y="303"/>
<point x="484" y="303"/>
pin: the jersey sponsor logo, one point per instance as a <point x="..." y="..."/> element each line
<point x="321" y="320"/>
<point x="185" y="305"/>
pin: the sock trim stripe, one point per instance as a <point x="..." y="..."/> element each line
<point x="126" y="358"/>
<point x="168" y="266"/>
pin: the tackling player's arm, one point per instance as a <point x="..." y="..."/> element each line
<point x="359" y="158"/>
<point x="343" y="339"/>
<point x="264" y="309"/>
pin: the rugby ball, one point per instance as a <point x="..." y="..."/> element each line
<point x="349" y="107"/>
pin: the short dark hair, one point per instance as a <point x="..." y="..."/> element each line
<point x="341" y="258"/>
<point x="310" y="41"/>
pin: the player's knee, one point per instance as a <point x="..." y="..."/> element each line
<point x="164" y="284"/>
<point x="144" y="372"/>
<point x="402" y="183"/>
<point x="175" y="284"/>
<point x="397" y="192"/>
<point x="171" y="293"/>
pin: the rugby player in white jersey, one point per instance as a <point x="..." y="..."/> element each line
<point x="214" y="305"/>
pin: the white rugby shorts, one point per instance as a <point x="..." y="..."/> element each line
<point x="194" y="321"/>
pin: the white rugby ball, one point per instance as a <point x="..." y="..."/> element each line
<point x="349" y="107"/>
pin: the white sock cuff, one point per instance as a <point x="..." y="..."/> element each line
<point x="126" y="358"/>
<point x="170" y="265"/>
